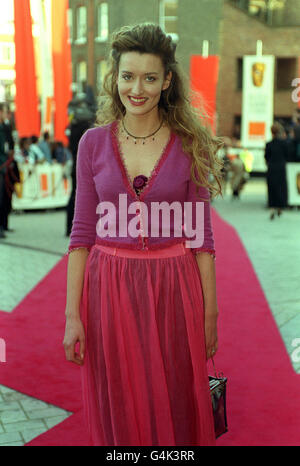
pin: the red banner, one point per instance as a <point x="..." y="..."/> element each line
<point x="204" y="80"/>
<point x="62" y="67"/>
<point x="27" y="114"/>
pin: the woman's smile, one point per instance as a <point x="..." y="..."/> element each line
<point x="137" y="100"/>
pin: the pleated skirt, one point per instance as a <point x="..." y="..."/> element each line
<point x="144" y="378"/>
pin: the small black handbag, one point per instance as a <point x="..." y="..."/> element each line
<point x="217" y="386"/>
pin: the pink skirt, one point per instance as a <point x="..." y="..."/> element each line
<point x="144" y="377"/>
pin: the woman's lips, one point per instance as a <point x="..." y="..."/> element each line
<point x="137" y="102"/>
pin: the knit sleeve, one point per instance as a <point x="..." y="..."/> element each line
<point x="83" y="232"/>
<point x="198" y="220"/>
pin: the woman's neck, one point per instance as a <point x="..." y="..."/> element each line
<point x="142" y="125"/>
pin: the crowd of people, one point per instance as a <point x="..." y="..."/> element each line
<point x="34" y="150"/>
<point x="290" y="133"/>
<point x="29" y="150"/>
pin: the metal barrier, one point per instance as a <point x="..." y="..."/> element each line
<point x="42" y="186"/>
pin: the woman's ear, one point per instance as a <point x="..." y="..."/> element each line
<point x="167" y="81"/>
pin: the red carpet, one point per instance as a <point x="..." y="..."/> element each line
<point x="263" y="389"/>
<point x="36" y="363"/>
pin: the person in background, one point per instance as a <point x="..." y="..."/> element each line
<point x="223" y="153"/>
<point x="297" y="139"/>
<point x="82" y="118"/>
<point x="295" y="115"/>
<point x="44" y="145"/>
<point x="61" y="153"/>
<point x="289" y="138"/>
<point x="6" y="169"/>
<point x="276" y="155"/>
<point x="238" y="176"/>
<point x="35" y="154"/>
<point x="22" y="152"/>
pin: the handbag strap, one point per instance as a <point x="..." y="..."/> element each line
<point x="219" y="375"/>
<point x="213" y="363"/>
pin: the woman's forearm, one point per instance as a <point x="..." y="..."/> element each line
<point x="75" y="278"/>
<point x="206" y="264"/>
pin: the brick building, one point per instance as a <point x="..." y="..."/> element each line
<point x="231" y="27"/>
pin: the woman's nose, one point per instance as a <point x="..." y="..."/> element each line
<point x="137" y="87"/>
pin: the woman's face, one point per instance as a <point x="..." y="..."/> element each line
<point x="140" y="81"/>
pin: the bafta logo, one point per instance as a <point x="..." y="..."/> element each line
<point x="258" y="70"/>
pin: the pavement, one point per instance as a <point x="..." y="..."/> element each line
<point x="38" y="242"/>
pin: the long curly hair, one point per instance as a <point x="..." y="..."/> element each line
<point x="190" y="123"/>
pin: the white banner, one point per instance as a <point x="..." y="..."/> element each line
<point x="257" y="101"/>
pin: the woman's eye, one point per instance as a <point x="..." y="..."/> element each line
<point x="150" y="78"/>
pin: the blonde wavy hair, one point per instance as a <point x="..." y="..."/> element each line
<point x="188" y="122"/>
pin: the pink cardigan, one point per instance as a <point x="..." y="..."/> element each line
<point x="109" y="211"/>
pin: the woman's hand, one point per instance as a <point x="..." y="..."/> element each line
<point x="211" y="335"/>
<point x="74" y="333"/>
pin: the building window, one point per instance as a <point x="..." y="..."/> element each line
<point x="101" y="70"/>
<point x="257" y="8"/>
<point x="10" y="91"/>
<point x="70" y="23"/>
<point x="236" y="131"/>
<point x="271" y="12"/>
<point x="81" y="25"/>
<point x="239" y="80"/>
<point x="81" y="74"/>
<point x="168" y="17"/>
<point x="102" y="22"/>
<point x="7" y="53"/>
<point x="286" y="70"/>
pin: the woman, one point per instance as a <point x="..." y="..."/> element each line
<point x="276" y="155"/>
<point x="142" y="305"/>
